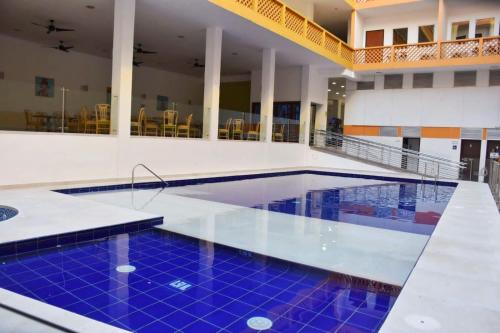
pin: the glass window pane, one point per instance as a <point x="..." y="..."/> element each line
<point x="400" y="36"/>
<point x="460" y="30"/>
<point x="426" y="33"/>
<point x="484" y="27"/>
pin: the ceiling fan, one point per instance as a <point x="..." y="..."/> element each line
<point x="139" y="50"/>
<point x="62" y="47"/>
<point x="52" y="27"/>
<point x="137" y="63"/>
<point x="197" y="64"/>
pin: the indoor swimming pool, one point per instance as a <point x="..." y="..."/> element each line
<point x="365" y="227"/>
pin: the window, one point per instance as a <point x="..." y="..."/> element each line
<point x="484" y="27"/>
<point x="400" y="36"/>
<point x="423" y="80"/>
<point x="365" y="85"/>
<point x="495" y="77"/>
<point x="460" y="30"/>
<point x="465" y="79"/>
<point x="393" y="81"/>
<point x="425" y="33"/>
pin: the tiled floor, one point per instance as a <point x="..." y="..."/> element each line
<point x="226" y="287"/>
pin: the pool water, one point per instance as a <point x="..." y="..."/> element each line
<point x="166" y="282"/>
<point x="409" y="207"/>
<point x="368" y="228"/>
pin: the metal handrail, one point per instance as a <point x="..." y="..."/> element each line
<point x="494" y="180"/>
<point x="165" y="184"/>
<point x="402" y="159"/>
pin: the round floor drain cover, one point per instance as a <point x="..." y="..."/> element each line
<point x="423" y="323"/>
<point x="125" y="268"/>
<point x="259" y="323"/>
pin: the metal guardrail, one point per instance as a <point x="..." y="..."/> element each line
<point x="494" y="180"/>
<point x="388" y="156"/>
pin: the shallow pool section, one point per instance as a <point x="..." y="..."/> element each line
<point x="181" y="284"/>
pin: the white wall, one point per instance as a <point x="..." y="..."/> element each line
<point x="287" y="84"/>
<point x="390" y="21"/>
<point x="442" y="106"/>
<point x="305" y="8"/>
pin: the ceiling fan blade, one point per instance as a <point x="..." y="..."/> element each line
<point x="69" y="47"/>
<point x="40" y="25"/>
<point x="148" y="52"/>
<point x="61" y="29"/>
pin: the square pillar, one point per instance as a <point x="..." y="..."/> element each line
<point x="267" y="94"/>
<point x="305" y="105"/>
<point x="123" y="54"/>
<point x="213" y="55"/>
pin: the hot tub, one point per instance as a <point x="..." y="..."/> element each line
<point x="7" y="213"/>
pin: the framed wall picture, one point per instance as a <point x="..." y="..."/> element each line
<point x="44" y="87"/>
<point x="161" y="103"/>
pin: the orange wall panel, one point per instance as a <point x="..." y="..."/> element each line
<point x="362" y="130"/>
<point x="441" y="132"/>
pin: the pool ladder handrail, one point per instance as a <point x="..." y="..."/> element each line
<point x="164" y="183"/>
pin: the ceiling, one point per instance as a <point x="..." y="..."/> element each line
<point x="333" y="15"/>
<point x="174" y="28"/>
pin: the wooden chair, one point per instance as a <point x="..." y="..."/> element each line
<point x="254" y="135"/>
<point x="224" y="132"/>
<point x="279" y="132"/>
<point x="237" y="130"/>
<point x="33" y="123"/>
<point x="136" y="126"/>
<point x="102" y="118"/>
<point x="149" y="127"/>
<point x="169" y="125"/>
<point x="183" y="130"/>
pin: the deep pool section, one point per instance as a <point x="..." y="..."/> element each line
<point x="7" y="213"/>
<point x="187" y="285"/>
<point x="409" y="207"/>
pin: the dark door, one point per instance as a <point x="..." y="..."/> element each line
<point x="492" y="151"/>
<point x="469" y="154"/>
<point x="410" y="162"/>
<point x="312" y="124"/>
<point x="374" y="39"/>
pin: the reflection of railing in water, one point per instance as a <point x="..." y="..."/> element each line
<point x="494" y="180"/>
<point x="388" y="156"/>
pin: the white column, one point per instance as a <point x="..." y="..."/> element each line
<point x="305" y="104"/>
<point x="482" y="159"/>
<point x="213" y="54"/>
<point x="267" y="94"/>
<point x="442" y="24"/>
<point x="123" y="54"/>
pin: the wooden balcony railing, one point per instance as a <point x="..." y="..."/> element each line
<point x="294" y="22"/>
<point x="427" y="53"/>
<point x="278" y="17"/>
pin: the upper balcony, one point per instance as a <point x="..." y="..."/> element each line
<point x="276" y="16"/>
<point x="365" y="4"/>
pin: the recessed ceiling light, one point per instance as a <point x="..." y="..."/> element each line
<point x="329" y="90"/>
<point x="334" y="83"/>
<point x="90" y="7"/>
<point x="341" y="86"/>
<point x="343" y="95"/>
<point x="337" y="93"/>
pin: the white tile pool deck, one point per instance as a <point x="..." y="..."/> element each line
<point x="455" y="286"/>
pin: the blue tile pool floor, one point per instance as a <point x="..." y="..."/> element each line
<point x="182" y="284"/>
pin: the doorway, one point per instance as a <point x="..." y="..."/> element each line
<point x="492" y="152"/>
<point x="470" y="154"/>
<point x="410" y="162"/>
<point x="312" y="124"/>
<point x="374" y="38"/>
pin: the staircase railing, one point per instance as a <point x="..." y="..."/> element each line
<point x="494" y="180"/>
<point x="388" y="156"/>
